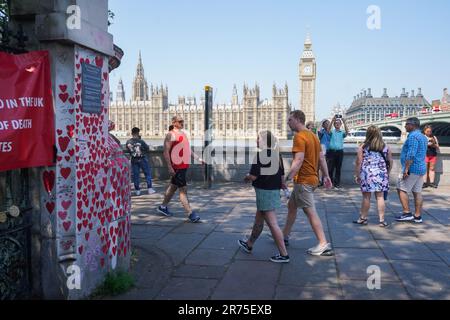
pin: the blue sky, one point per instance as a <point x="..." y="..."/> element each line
<point x="188" y="44"/>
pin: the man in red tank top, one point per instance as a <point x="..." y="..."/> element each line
<point x="177" y="153"/>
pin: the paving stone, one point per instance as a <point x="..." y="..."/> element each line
<point x="221" y="240"/>
<point x="187" y="289"/>
<point x="392" y="232"/>
<point x="203" y="227"/>
<point x="358" y="290"/>
<point x="353" y="264"/>
<point x="211" y="257"/>
<point x="301" y="240"/>
<point x="358" y="237"/>
<point x="148" y="232"/>
<point x="304" y="270"/>
<point x="440" y="215"/>
<point x="179" y="245"/>
<point x="203" y="272"/>
<point x="285" y="292"/>
<point x="406" y="250"/>
<point x="434" y="239"/>
<point x="340" y="221"/>
<point x="424" y="279"/>
<point x="248" y="280"/>
<point x="444" y="254"/>
<point x="235" y="225"/>
<point x="204" y="261"/>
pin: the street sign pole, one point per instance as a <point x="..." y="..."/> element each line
<point x="208" y="135"/>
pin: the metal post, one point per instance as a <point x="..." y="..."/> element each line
<point x="208" y="135"/>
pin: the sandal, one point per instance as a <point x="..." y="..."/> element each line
<point x="383" y="224"/>
<point x="361" y="221"/>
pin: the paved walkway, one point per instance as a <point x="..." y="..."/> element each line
<point x="180" y="260"/>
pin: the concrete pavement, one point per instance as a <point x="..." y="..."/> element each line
<point x="176" y="259"/>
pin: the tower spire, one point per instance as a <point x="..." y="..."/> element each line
<point x="235" y="98"/>
<point x="140" y="87"/>
<point x="307" y="75"/>
<point x="120" y="94"/>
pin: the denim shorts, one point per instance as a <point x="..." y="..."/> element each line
<point x="267" y="200"/>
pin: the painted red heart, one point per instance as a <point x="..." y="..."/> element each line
<point x="79" y="227"/>
<point x="66" y="225"/>
<point x="80" y="214"/>
<point x="70" y="130"/>
<point x="71" y="111"/>
<point x="71" y="152"/>
<point x="99" y="61"/>
<point x="105" y="75"/>
<point x="65" y="172"/>
<point x="72" y="100"/>
<point x="86" y="236"/>
<point x="50" y="206"/>
<point x="78" y="87"/>
<point x="66" y="204"/>
<point x="63" y="96"/>
<point x="48" y="178"/>
<point x="63" y="87"/>
<point x="80" y="249"/>
<point x="63" y="143"/>
<point x="59" y="132"/>
<point x="78" y="66"/>
<point x="62" y="215"/>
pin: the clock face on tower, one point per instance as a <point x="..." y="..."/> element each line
<point x="307" y="70"/>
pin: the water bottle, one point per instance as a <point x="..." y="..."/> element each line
<point x="287" y="193"/>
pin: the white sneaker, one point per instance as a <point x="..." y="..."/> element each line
<point x="320" y="250"/>
<point x="138" y="192"/>
<point x="151" y="191"/>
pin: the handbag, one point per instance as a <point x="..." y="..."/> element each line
<point x="388" y="166"/>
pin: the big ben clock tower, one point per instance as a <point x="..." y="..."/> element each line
<point x="307" y="74"/>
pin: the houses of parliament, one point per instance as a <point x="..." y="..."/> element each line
<point x="149" y="108"/>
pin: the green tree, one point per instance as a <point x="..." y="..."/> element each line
<point x="4" y="13"/>
<point x="110" y="17"/>
<point x="3" y="9"/>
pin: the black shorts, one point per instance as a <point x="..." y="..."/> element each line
<point x="179" y="179"/>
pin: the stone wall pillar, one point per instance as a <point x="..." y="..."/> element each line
<point x="84" y="199"/>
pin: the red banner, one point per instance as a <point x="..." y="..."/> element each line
<point x="27" y="133"/>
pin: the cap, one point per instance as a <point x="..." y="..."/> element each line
<point x="414" y="121"/>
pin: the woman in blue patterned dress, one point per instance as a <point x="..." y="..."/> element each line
<point x="373" y="165"/>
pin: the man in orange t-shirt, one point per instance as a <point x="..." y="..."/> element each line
<point x="307" y="154"/>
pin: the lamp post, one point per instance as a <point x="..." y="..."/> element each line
<point x="208" y="135"/>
